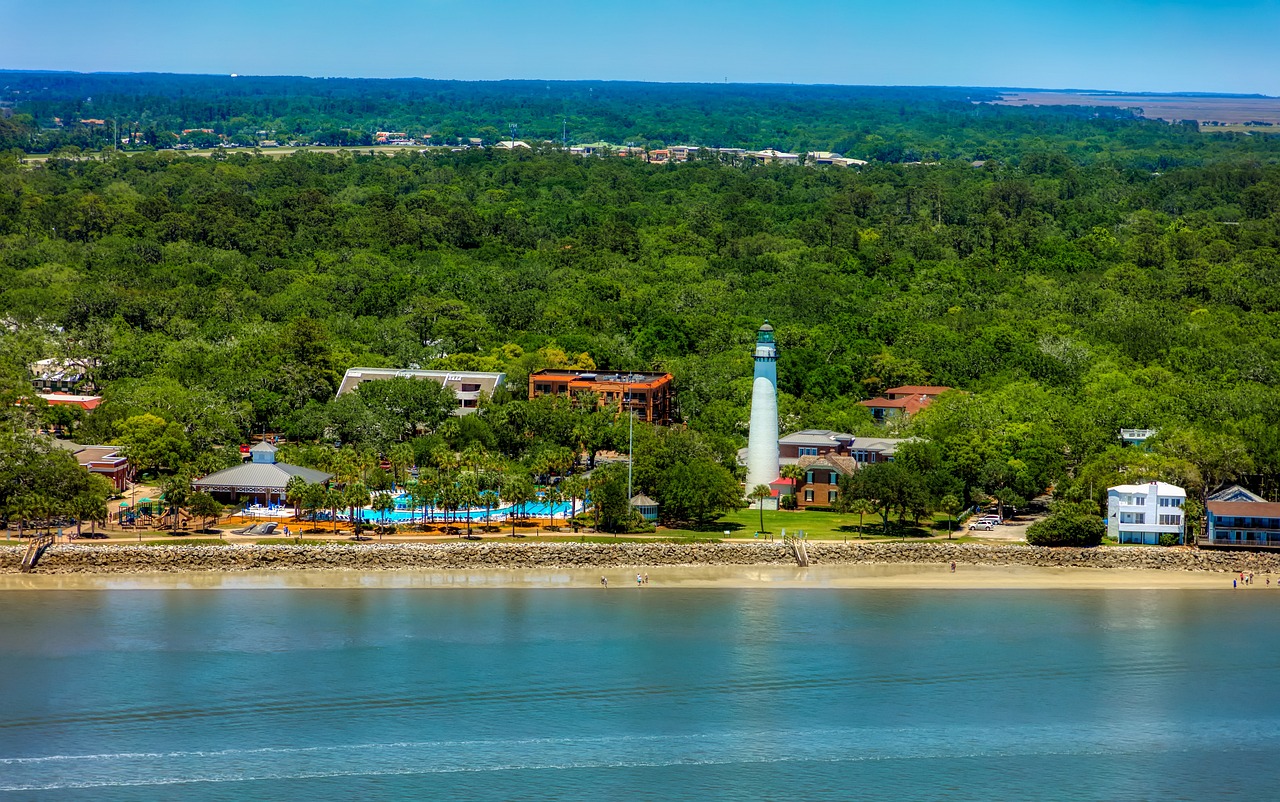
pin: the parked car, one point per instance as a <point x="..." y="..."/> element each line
<point x="985" y="526"/>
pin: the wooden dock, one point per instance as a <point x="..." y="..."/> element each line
<point x="36" y="548"/>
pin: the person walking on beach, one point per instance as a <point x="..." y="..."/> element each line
<point x="646" y="579"/>
<point x="604" y="582"/>
<point x="953" y="566"/>
<point x="639" y="580"/>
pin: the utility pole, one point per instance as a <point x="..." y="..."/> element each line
<point x="513" y="136"/>
<point x="631" y="424"/>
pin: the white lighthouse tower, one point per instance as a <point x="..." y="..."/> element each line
<point x="762" y="440"/>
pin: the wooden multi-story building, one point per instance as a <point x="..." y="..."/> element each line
<point x="649" y="395"/>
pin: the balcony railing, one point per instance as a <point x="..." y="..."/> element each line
<point x="1273" y="541"/>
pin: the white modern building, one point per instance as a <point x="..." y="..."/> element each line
<point x="466" y="385"/>
<point x="1142" y="513"/>
<point x="762" y="437"/>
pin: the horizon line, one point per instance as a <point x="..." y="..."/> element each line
<point x="1061" y="90"/>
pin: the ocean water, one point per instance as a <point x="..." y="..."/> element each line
<point x="639" y="693"/>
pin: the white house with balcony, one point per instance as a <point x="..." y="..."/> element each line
<point x="1142" y="513"/>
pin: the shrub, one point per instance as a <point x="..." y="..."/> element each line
<point x="1068" y="525"/>
<point x="1168" y="539"/>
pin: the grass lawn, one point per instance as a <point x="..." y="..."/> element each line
<point x="816" y="525"/>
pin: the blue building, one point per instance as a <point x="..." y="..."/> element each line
<point x="1242" y="524"/>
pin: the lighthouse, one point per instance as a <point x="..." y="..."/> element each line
<point x="762" y="439"/>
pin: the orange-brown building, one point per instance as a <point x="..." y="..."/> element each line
<point x="902" y="401"/>
<point x="649" y="395"/>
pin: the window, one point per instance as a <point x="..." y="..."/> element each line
<point x="808" y="495"/>
<point x="808" y="479"/>
<point x="807" y="451"/>
<point x="470" y="388"/>
<point x="1171" y="520"/>
<point x="469" y="403"/>
<point x="831" y="497"/>
<point x="1170" y="502"/>
<point x="1133" y="517"/>
<point x="539" y="389"/>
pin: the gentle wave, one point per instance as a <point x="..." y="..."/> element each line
<point x="830" y="745"/>
<point x="496" y="696"/>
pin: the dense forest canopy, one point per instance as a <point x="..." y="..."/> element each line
<point x="1069" y="291"/>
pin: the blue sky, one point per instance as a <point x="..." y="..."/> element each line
<point x="1131" y="45"/>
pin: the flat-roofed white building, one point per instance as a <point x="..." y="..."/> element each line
<point x="468" y="386"/>
<point x="1142" y="513"/>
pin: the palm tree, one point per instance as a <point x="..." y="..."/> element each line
<point x="517" y="490"/>
<point x="950" y="505"/>
<point x="861" y="506"/>
<point x="575" y="487"/>
<point x="469" y="496"/>
<point x="295" y="492"/>
<point x="402" y="458"/>
<point x="344" y="465"/>
<point x="20" y="509"/>
<point x="333" y="499"/>
<point x="176" y="490"/>
<point x="795" y="473"/>
<point x="384" y="503"/>
<point x="356" y="498"/>
<point x="758" y="494"/>
<point x="449" y="497"/>
<point x="423" y="491"/>
<point x="552" y="495"/>
<point x="82" y="507"/>
<point x="313" y="500"/>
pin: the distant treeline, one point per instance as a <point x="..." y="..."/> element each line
<point x="889" y="124"/>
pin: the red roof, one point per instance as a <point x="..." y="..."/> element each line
<point x="85" y="402"/>
<point x="783" y="482"/>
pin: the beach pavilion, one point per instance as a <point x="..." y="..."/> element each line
<point x="262" y="480"/>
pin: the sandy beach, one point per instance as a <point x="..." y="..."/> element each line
<point x="915" y="576"/>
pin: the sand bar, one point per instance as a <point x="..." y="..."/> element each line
<point x="918" y="576"/>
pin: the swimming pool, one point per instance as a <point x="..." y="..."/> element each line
<point x="402" y="514"/>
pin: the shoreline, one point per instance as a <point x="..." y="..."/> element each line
<point x="833" y="577"/>
<point x="511" y="565"/>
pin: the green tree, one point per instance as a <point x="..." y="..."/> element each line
<point x="151" y="443"/>
<point x="205" y="507"/>
<point x="1068" y="524"/>
<point x="698" y="491"/>
<point x="951" y="505"/>
<point x="609" y="499"/>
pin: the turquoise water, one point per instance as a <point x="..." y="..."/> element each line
<point x="401" y="514"/>
<point x="639" y="693"/>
